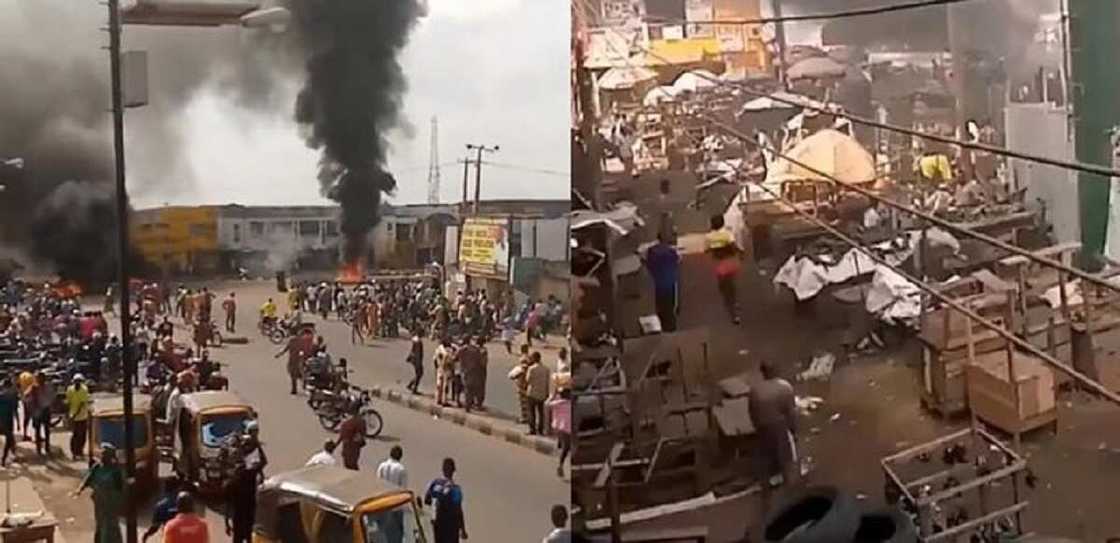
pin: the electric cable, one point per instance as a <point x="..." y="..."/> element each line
<point x="859" y="12"/>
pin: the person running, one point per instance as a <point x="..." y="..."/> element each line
<point x="187" y="526"/>
<point x="663" y="262"/>
<point x="560" y="412"/>
<point x="720" y="244"/>
<point x="106" y="480"/>
<point x="392" y="470"/>
<point x="560" y="532"/>
<point x="164" y="510"/>
<point x="449" y="524"/>
<point x="77" y="410"/>
<point x="230" y="308"/>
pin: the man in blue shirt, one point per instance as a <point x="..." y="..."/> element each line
<point x="449" y="525"/>
<point x="165" y="508"/>
<point x="664" y="265"/>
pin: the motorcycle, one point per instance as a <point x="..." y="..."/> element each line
<point x="273" y="330"/>
<point x="332" y="409"/>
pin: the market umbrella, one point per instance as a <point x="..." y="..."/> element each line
<point x="625" y="77"/>
<point x="816" y="67"/>
<point x="834" y="153"/>
<point x="695" y="80"/>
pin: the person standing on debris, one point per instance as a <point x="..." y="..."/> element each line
<point x="774" y="415"/>
<point x="106" y="480"/>
<point x="664" y="263"/>
<point x="230" y="308"/>
<point x="537" y="379"/>
<point x="77" y="410"/>
<point x="449" y="524"/>
<point x="720" y="244"/>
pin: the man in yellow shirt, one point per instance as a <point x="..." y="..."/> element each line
<point x="934" y="168"/>
<point x="268" y="311"/>
<point x="720" y="243"/>
<point x="77" y="408"/>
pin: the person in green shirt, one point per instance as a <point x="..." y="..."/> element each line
<point x="77" y="408"/>
<point x="107" y="481"/>
<point x="9" y="408"/>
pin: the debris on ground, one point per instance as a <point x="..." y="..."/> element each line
<point x="820" y="368"/>
<point x="807" y="404"/>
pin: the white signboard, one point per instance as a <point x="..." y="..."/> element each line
<point x="699" y="10"/>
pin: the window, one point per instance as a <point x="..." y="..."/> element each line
<point x="309" y="229"/>
<point x="404" y="232"/>
<point x="331" y="228"/>
<point x="199" y="229"/>
<point x="256" y="229"/>
<point x="236" y="233"/>
<point x="281" y="228"/>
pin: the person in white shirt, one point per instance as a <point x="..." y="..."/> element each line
<point x="392" y="470"/>
<point x="562" y="363"/>
<point x="324" y="457"/>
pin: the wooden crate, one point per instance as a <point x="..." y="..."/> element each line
<point x="1014" y="407"/>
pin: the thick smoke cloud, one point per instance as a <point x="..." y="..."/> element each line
<point x="351" y="99"/>
<point x="54" y="112"/>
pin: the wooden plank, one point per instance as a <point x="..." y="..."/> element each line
<point x="608" y="466"/>
<point x="1046" y="252"/>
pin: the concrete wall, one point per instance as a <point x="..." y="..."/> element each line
<point x="1042" y="129"/>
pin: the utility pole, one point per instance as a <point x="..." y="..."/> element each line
<point x="585" y="93"/>
<point x="478" y="170"/>
<point x="129" y="371"/>
<point x="466" y="175"/>
<point x="779" y="39"/>
<point x="1096" y="113"/>
<point x="957" y="27"/>
<point x="433" y="164"/>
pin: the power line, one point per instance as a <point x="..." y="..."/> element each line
<point x="878" y="10"/>
<point x="542" y="171"/>
<point x="1068" y="165"/>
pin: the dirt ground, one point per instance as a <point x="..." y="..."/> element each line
<point x="871" y="404"/>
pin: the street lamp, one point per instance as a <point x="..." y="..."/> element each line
<point x="163" y="13"/>
<point x="478" y="169"/>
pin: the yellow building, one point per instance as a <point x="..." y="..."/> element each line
<point x="177" y="239"/>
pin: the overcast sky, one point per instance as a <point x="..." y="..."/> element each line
<point x="493" y="71"/>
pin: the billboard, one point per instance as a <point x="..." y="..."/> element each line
<point x="484" y="247"/>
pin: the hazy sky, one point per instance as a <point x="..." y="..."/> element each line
<point x="493" y="71"/>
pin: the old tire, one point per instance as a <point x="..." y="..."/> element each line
<point x="277" y="336"/>
<point x="815" y="515"/>
<point x="374" y="422"/>
<point x="886" y="526"/>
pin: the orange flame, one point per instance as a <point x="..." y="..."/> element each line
<point x="67" y="289"/>
<point x="350" y="273"/>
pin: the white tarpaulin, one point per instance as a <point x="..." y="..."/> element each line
<point x="625" y="78"/>
<point x="695" y="80"/>
<point x="807" y="277"/>
<point x="892" y="297"/>
<point x="660" y="94"/>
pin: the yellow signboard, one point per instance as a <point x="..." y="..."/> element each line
<point x="484" y="247"/>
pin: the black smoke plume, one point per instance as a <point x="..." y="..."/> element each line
<point x="351" y="99"/>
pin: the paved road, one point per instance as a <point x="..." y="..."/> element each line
<point x="382" y="361"/>
<point x="509" y="490"/>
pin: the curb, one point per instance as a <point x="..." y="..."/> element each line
<point x="479" y="424"/>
